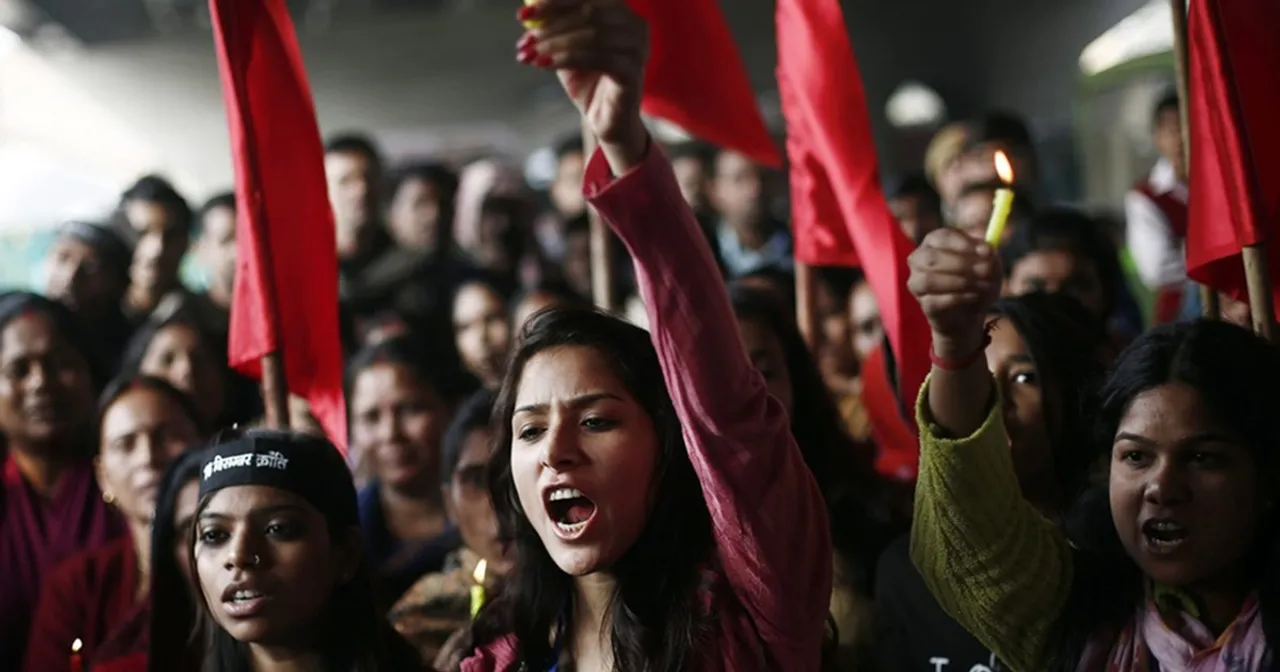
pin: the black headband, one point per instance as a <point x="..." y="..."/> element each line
<point x="303" y="465"/>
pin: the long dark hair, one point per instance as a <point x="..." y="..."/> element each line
<point x="1235" y="374"/>
<point x="858" y="500"/>
<point x="1068" y="344"/>
<point x="656" y="619"/>
<point x="173" y="614"/>
<point x="356" y="637"/>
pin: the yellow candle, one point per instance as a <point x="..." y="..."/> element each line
<point x="999" y="216"/>
<point x="477" y="590"/>
<point x="534" y="23"/>
<point x="1003" y="203"/>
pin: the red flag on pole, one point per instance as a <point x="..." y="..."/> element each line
<point x="1234" y="102"/>
<point x="286" y="292"/>
<point x="837" y="200"/>
<point x="695" y="78"/>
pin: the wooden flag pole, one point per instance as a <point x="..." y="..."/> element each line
<point x="1258" y="276"/>
<point x="275" y="391"/>
<point x="1208" y="297"/>
<point x="601" y="259"/>
<point x="275" y="387"/>
<point x="806" y="306"/>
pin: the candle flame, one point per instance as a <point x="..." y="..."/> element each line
<point x="1003" y="168"/>
<point x="76" y="645"/>
<point x="478" y="575"/>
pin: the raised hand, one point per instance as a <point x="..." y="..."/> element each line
<point x="598" y="48"/>
<point x="956" y="279"/>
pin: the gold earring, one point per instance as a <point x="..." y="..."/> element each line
<point x="108" y="498"/>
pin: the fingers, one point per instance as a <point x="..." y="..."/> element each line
<point x="599" y="35"/>
<point x="953" y="256"/>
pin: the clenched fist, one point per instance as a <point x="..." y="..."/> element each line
<point x="956" y="279"/>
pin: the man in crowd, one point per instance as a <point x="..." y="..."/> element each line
<point x="691" y="161"/>
<point x="748" y="238"/>
<point x="942" y="162"/>
<point x="565" y="194"/>
<point x="423" y="200"/>
<point x="353" y="168"/>
<point x="1156" y="214"/>
<point x="87" y="270"/>
<point x="215" y="250"/>
<point x="159" y="220"/>
<point x="916" y="206"/>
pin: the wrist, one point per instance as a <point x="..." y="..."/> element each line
<point x="959" y="347"/>
<point x="626" y="147"/>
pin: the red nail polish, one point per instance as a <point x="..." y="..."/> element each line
<point x="527" y="12"/>
<point x="527" y="40"/>
<point x="527" y="56"/>
<point x="542" y="61"/>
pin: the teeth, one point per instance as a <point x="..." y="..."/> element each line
<point x="1165" y="526"/>
<point x="571" y="528"/>
<point x="246" y="595"/>
<point x="565" y="493"/>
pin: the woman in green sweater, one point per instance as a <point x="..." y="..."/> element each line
<point x="1171" y="559"/>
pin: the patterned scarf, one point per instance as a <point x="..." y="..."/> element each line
<point x="1153" y="641"/>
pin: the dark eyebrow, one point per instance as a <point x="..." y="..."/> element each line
<point x="576" y="402"/>
<point x="1194" y="439"/>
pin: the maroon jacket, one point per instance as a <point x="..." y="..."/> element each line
<point x="91" y="597"/>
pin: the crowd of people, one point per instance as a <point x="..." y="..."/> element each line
<point x="688" y="484"/>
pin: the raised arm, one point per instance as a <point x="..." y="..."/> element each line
<point x="992" y="561"/>
<point x="769" y="518"/>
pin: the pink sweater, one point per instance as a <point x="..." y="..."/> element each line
<point x="773" y="549"/>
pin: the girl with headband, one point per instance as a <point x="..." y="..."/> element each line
<point x="278" y="562"/>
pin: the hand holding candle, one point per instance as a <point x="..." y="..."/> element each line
<point x="1003" y="204"/>
<point x="477" y="590"/>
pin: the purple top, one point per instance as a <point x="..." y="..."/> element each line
<point x="35" y="534"/>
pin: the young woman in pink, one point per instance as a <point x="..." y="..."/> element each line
<point x="662" y="516"/>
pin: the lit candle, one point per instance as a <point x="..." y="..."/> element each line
<point x="532" y="23"/>
<point x="477" y="591"/>
<point x="1003" y="204"/>
<point x="77" y="665"/>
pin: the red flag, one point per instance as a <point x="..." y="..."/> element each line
<point x="837" y="200"/>
<point x="1235" y="169"/>
<point x="695" y="78"/>
<point x="286" y="293"/>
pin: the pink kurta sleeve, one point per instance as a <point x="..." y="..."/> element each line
<point x="769" y="517"/>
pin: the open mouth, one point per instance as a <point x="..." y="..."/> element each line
<point x="1164" y="535"/>
<point x="570" y="509"/>
<point x="244" y="602"/>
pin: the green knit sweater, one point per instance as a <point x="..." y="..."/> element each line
<point x="997" y="566"/>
